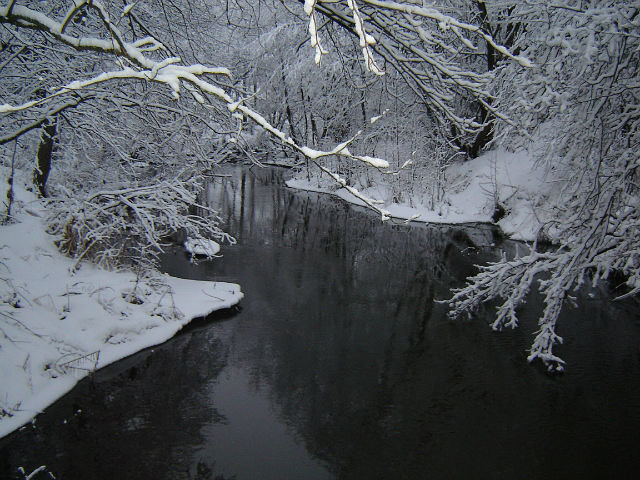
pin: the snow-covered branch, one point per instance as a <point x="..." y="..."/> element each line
<point x="39" y="121"/>
<point x="510" y="281"/>
<point x="446" y="22"/>
<point x="163" y="72"/>
<point x="24" y="17"/>
<point x="309" y="9"/>
<point x="604" y="244"/>
<point x="366" y="40"/>
<point x="132" y="223"/>
<point x="429" y="49"/>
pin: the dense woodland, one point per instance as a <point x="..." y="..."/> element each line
<point x="118" y="109"/>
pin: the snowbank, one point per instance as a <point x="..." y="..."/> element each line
<point x="473" y="188"/>
<point x="56" y="326"/>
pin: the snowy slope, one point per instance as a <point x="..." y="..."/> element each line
<point x="55" y="326"/>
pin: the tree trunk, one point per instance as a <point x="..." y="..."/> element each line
<point x="484" y="136"/>
<point x="46" y="148"/>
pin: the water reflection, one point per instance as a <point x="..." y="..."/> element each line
<point x="341" y="365"/>
<point x="137" y="419"/>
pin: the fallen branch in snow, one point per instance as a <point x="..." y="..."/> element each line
<point x="4" y="334"/>
<point x="77" y="364"/>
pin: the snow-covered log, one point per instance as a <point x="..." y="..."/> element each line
<point x="202" y="246"/>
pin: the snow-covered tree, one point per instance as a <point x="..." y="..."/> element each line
<point x="96" y="79"/>
<point x="89" y="90"/>
<point x="435" y="52"/>
<point x="121" y="96"/>
<point x="581" y="106"/>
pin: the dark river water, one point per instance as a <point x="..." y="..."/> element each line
<point x="340" y="364"/>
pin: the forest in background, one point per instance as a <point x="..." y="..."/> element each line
<point x="117" y="109"/>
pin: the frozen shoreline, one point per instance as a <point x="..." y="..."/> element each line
<point x="53" y="322"/>
<point x="472" y="189"/>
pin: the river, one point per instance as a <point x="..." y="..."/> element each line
<point x="339" y="364"/>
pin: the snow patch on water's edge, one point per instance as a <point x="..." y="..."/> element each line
<point x="55" y="388"/>
<point x="58" y="323"/>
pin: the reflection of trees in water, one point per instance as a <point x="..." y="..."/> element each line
<point x="362" y="362"/>
<point x="141" y="416"/>
<point x="352" y="325"/>
<point x="340" y="328"/>
<point x="257" y="208"/>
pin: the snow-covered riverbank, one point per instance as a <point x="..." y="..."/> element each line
<point x="472" y="190"/>
<point x="56" y="325"/>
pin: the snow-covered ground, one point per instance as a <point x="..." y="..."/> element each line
<point x="472" y="188"/>
<point x="56" y="325"/>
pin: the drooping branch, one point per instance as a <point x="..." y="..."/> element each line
<point x="426" y="47"/>
<point x="167" y="71"/>
<point x="39" y="121"/>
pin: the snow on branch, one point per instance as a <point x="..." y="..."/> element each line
<point x="24" y="17"/>
<point x="446" y="22"/>
<point x="309" y="9"/>
<point x="137" y="63"/>
<point x="510" y="281"/>
<point x="601" y="239"/>
<point x="314" y="155"/>
<point x="41" y="120"/>
<point x="428" y="49"/>
<point x="366" y="40"/>
<point x="111" y="225"/>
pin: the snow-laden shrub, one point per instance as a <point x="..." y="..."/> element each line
<point x="129" y="225"/>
